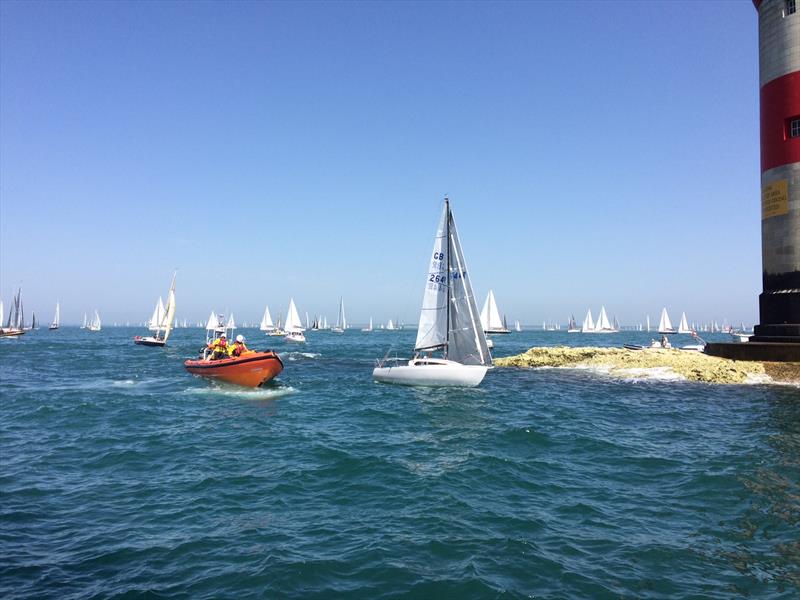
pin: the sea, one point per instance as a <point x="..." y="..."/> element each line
<point x="123" y="476"/>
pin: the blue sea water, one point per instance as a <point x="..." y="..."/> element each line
<point x="124" y="477"/>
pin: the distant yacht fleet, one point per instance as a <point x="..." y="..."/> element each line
<point x="13" y="324"/>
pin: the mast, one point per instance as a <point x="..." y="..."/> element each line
<point x="449" y="277"/>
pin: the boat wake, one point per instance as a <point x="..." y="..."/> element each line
<point x="266" y="392"/>
<point x="293" y="356"/>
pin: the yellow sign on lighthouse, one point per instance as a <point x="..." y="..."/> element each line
<point x="775" y="199"/>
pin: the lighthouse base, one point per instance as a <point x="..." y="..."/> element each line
<point x="761" y="351"/>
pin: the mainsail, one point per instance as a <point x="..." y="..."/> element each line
<point x="293" y="322"/>
<point x="432" y="331"/>
<point x="341" y="321"/>
<point x="665" y="325"/>
<point x="683" y="327"/>
<point x="158" y="316"/>
<point x="588" y="322"/>
<point x="490" y="316"/>
<point x="266" y="321"/>
<point x="602" y="321"/>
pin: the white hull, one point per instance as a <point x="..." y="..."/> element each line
<point x="432" y="373"/>
<point x="295" y="337"/>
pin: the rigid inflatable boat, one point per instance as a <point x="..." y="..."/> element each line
<point x="251" y="369"/>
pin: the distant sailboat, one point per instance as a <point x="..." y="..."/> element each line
<point x="161" y="321"/>
<point x="16" y="318"/>
<point x="449" y="322"/>
<point x="683" y="326"/>
<point x="368" y="327"/>
<point x="266" y="321"/>
<point x="490" y="316"/>
<point x="572" y="327"/>
<point x="588" y="323"/>
<point x="648" y="322"/>
<point x="341" y="321"/>
<point x="293" y="327"/>
<point x="517" y="326"/>
<point x="390" y="325"/>
<point x="95" y="324"/>
<point x="85" y="322"/>
<point x="665" y="325"/>
<point x="603" y="325"/>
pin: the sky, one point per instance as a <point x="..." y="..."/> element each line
<point x="593" y="152"/>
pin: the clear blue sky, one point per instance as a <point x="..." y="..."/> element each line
<point x="593" y="152"/>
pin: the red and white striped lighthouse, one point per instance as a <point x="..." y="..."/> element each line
<point x="779" y="74"/>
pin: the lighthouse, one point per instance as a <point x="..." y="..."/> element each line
<point x="777" y="336"/>
<point x="779" y="78"/>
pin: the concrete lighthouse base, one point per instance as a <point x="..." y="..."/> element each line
<point x="760" y="351"/>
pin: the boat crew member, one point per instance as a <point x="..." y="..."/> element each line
<point x="238" y="346"/>
<point x="219" y="347"/>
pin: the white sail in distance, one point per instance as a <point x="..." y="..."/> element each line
<point x="158" y="316"/>
<point x="266" y="321"/>
<point x="293" y="322"/>
<point x="602" y="321"/>
<point x="683" y="327"/>
<point x="665" y="325"/>
<point x="588" y="322"/>
<point x="490" y="316"/>
<point x="56" y="319"/>
<point x="341" y="320"/>
<point x="213" y="322"/>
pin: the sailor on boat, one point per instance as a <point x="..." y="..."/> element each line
<point x="238" y="346"/>
<point x="219" y="348"/>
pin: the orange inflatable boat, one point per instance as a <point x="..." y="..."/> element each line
<point x="251" y="369"/>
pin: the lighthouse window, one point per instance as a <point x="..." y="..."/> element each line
<point x="790" y="7"/>
<point x="794" y="128"/>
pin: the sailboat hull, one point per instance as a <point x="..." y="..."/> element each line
<point x="250" y="370"/>
<point x="433" y="374"/>
<point x="148" y="341"/>
<point x="12" y="332"/>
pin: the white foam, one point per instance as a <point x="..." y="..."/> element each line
<point x="216" y="389"/>
<point x="292" y="356"/>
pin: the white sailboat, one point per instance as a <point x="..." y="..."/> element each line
<point x="368" y="327"/>
<point x="293" y="326"/>
<point x="341" y="321"/>
<point x="162" y="320"/>
<point x="56" y="319"/>
<point x="231" y="324"/>
<point x="266" y="321"/>
<point x="95" y="325"/>
<point x="603" y="325"/>
<point x="588" y="323"/>
<point x="665" y="325"/>
<point x="683" y="326"/>
<point x="449" y="322"/>
<point x="490" y="316"/>
<point x="85" y="321"/>
<point x="390" y="325"/>
<point x="517" y="326"/>
<point x="648" y="322"/>
<point x="213" y="326"/>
